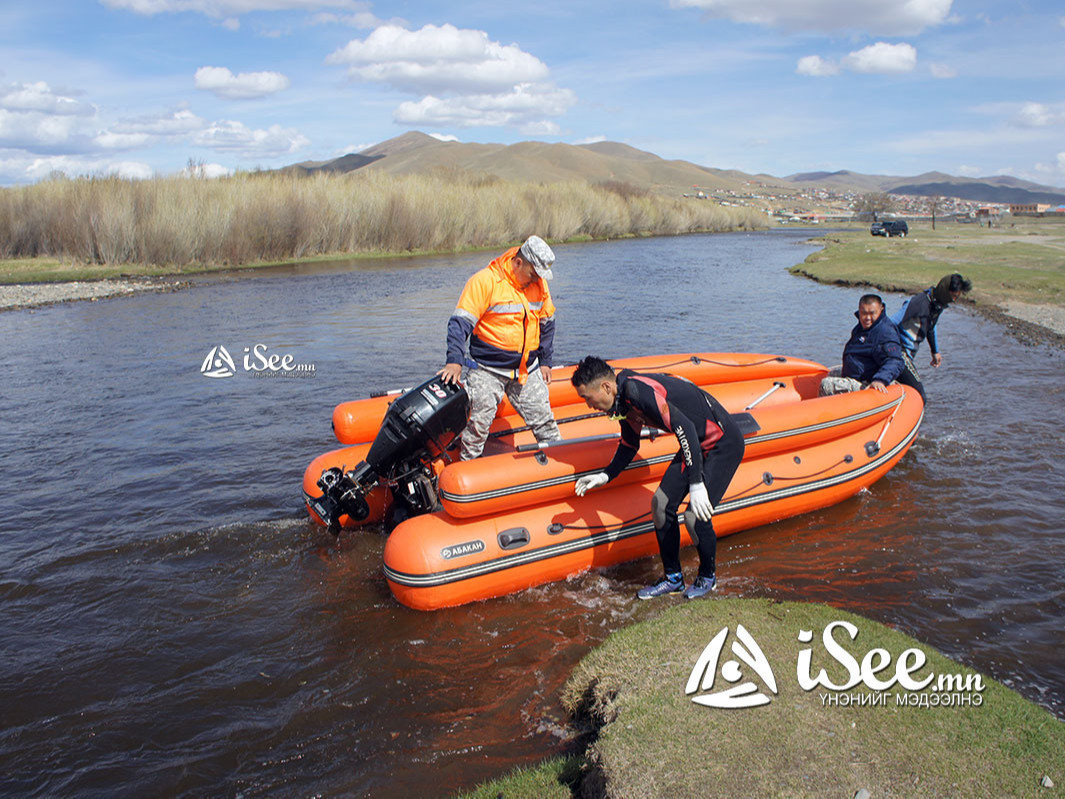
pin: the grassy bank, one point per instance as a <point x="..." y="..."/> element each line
<point x="76" y="229"/>
<point x="1024" y="262"/>
<point x="651" y="740"/>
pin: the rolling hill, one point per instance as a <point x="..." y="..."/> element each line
<point x="537" y="162"/>
<point x="995" y="189"/>
<point x="601" y="162"/>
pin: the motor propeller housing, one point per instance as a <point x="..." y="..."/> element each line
<point x="418" y="428"/>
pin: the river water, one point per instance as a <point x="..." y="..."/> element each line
<point x="173" y="625"/>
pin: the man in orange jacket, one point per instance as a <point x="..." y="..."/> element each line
<point x="503" y="331"/>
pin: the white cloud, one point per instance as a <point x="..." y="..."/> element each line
<point x="438" y="59"/>
<point x="590" y="140"/>
<point x="110" y="140"/>
<point x="46" y="124"/>
<point x="133" y="170"/>
<point x="131" y="134"/>
<point x="178" y="123"/>
<point x="361" y="19"/>
<point x="463" y="78"/>
<point x="36" y="118"/>
<point x="44" y="130"/>
<point x="352" y="148"/>
<point x="205" y="171"/>
<point x="523" y="107"/>
<point x="1053" y="173"/>
<point x="37" y="132"/>
<point x="879" y="17"/>
<point x="40" y="97"/>
<point x="879" y="58"/>
<point x="967" y="171"/>
<point x="541" y="127"/>
<point x="235" y="137"/>
<point x="882" y="58"/>
<point x="228" y="9"/>
<point x="815" y="66"/>
<point x="244" y="86"/>
<point x="1038" y="115"/>
<point x="73" y="166"/>
<point x="444" y="137"/>
<point x="943" y="71"/>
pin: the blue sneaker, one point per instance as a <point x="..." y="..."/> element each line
<point x="672" y="584"/>
<point x="701" y="587"/>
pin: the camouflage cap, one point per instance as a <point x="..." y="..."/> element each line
<point x="537" y="252"/>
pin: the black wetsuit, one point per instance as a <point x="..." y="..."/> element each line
<point x="711" y="448"/>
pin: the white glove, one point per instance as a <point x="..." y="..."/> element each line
<point x="590" y="481"/>
<point x="699" y="503"/>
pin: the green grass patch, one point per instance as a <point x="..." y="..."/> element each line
<point x="53" y="270"/>
<point x="556" y="778"/>
<point x="654" y="741"/>
<point x="1025" y="263"/>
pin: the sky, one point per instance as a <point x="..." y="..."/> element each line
<point x="888" y="87"/>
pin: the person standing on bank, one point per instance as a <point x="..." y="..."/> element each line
<point x="916" y="319"/>
<point x="505" y="321"/>
<point x="711" y="448"/>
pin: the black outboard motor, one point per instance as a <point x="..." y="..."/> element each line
<point x="418" y="428"/>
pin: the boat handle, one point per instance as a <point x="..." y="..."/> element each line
<point x="776" y="384"/>
<point x="513" y="538"/>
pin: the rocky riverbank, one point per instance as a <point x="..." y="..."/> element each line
<point x="33" y="295"/>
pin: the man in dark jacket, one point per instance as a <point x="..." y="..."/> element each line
<point x="711" y="448"/>
<point x="873" y="356"/>
<point x="917" y="317"/>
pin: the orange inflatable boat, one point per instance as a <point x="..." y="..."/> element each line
<point x="806" y="454"/>
<point x="358" y="421"/>
<point x="510" y="519"/>
<point x="738" y="380"/>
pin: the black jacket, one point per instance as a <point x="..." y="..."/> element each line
<point x="874" y="354"/>
<point x="672" y="404"/>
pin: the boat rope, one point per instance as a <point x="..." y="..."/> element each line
<point x="558" y="527"/>
<point x="768" y="478"/>
<point x="526" y="428"/>
<point x="695" y="359"/>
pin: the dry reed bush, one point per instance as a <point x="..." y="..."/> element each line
<point x="248" y="218"/>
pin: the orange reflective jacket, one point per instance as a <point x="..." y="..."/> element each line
<point x="506" y="318"/>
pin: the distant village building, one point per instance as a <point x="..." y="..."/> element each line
<point x="1029" y="208"/>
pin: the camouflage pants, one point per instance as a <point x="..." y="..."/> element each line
<point x="835" y="384"/>
<point x="486" y="390"/>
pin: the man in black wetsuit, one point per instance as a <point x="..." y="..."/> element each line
<point x="711" y="448"/>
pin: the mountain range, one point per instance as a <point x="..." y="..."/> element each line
<point x="602" y="162"/>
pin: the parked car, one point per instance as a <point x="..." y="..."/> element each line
<point x="890" y="227"/>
